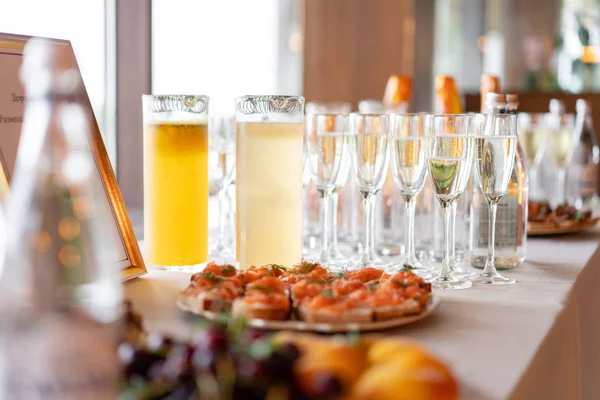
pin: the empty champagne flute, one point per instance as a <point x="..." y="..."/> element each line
<point x="560" y="144"/>
<point x="449" y="161"/>
<point x="408" y="142"/>
<point x="327" y="152"/>
<point x="495" y="147"/>
<point x="222" y="131"/>
<point x="369" y="136"/>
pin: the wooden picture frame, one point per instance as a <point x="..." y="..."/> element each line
<point x="130" y="259"/>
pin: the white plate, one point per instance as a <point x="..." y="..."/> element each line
<point x="295" y="325"/>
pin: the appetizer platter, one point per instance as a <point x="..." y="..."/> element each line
<point x="233" y="361"/>
<point x="543" y="220"/>
<point x="307" y="297"/>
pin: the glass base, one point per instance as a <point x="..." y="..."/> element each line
<point x="180" y="268"/>
<point x="487" y="278"/>
<point x="390" y="251"/>
<point x="450" y="283"/>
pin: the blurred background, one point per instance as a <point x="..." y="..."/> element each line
<point x="325" y="50"/>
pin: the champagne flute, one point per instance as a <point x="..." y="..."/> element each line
<point x="333" y="107"/>
<point x="408" y="143"/>
<point x="449" y="161"/>
<point x="369" y="135"/>
<point x="222" y="136"/>
<point x="327" y="156"/>
<point x="560" y="143"/>
<point x="495" y="147"/>
<point x="533" y="133"/>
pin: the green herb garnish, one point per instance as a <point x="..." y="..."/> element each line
<point x="400" y="283"/>
<point x="327" y="294"/>
<point x="306" y="267"/>
<point x="228" y="269"/>
<point x="212" y="277"/>
<point x="266" y="289"/>
<point x="578" y="215"/>
<point x="372" y="286"/>
<point x="407" y="267"/>
<point x="279" y="267"/>
<point x="341" y="275"/>
<point x="317" y="281"/>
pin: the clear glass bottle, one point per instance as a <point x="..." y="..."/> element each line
<point x="511" y="222"/>
<point x="583" y="170"/>
<point x="60" y="294"/>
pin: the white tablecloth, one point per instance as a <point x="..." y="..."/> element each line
<point x="539" y="339"/>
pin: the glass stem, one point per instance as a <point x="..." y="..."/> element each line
<point x="533" y="182"/>
<point x="369" y="211"/>
<point x="223" y="217"/>
<point x="560" y="193"/>
<point x="490" y="267"/>
<point x="447" y="211"/>
<point x="453" y="207"/>
<point x="409" y="205"/>
<point x="324" y="224"/>
<point x="334" y="214"/>
<point x="231" y="228"/>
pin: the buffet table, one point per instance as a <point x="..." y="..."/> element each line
<point x="536" y="340"/>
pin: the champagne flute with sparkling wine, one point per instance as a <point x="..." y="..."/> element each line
<point x="495" y="147"/>
<point x="327" y="156"/>
<point x="369" y="135"/>
<point x="344" y="108"/>
<point x="449" y="161"/>
<point x="560" y="144"/>
<point x="408" y="142"/>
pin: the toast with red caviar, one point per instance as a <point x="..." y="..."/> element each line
<point x="265" y="298"/>
<point x="307" y="291"/>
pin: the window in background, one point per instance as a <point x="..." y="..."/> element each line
<point x="224" y="49"/>
<point x="81" y="22"/>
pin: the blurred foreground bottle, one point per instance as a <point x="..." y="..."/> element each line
<point x="447" y="96"/>
<point x="511" y="220"/>
<point x="60" y="290"/>
<point x="583" y="171"/>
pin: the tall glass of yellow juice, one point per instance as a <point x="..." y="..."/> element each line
<point x="269" y="157"/>
<point x="175" y="180"/>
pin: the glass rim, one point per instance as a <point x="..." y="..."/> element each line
<point x="170" y="103"/>
<point x="269" y="105"/>
<point x="268" y="96"/>
<point x="368" y="114"/>
<point x="202" y="96"/>
<point x="328" y="114"/>
<point x="455" y="115"/>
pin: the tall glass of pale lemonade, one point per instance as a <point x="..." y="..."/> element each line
<point x="269" y="150"/>
<point x="175" y="180"/>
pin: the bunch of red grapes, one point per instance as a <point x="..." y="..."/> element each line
<point x="217" y="363"/>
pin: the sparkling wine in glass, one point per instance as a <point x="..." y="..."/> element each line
<point x="449" y="163"/>
<point x="328" y="157"/>
<point x="344" y="108"/>
<point x="561" y="142"/>
<point x="408" y="142"/>
<point x="495" y="148"/>
<point x="533" y="135"/>
<point x="369" y="135"/>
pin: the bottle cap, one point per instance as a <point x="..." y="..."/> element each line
<point x="582" y="106"/>
<point x="512" y="98"/>
<point x="557" y="107"/>
<point x="398" y="90"/>
<point x="495" y="99"/>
